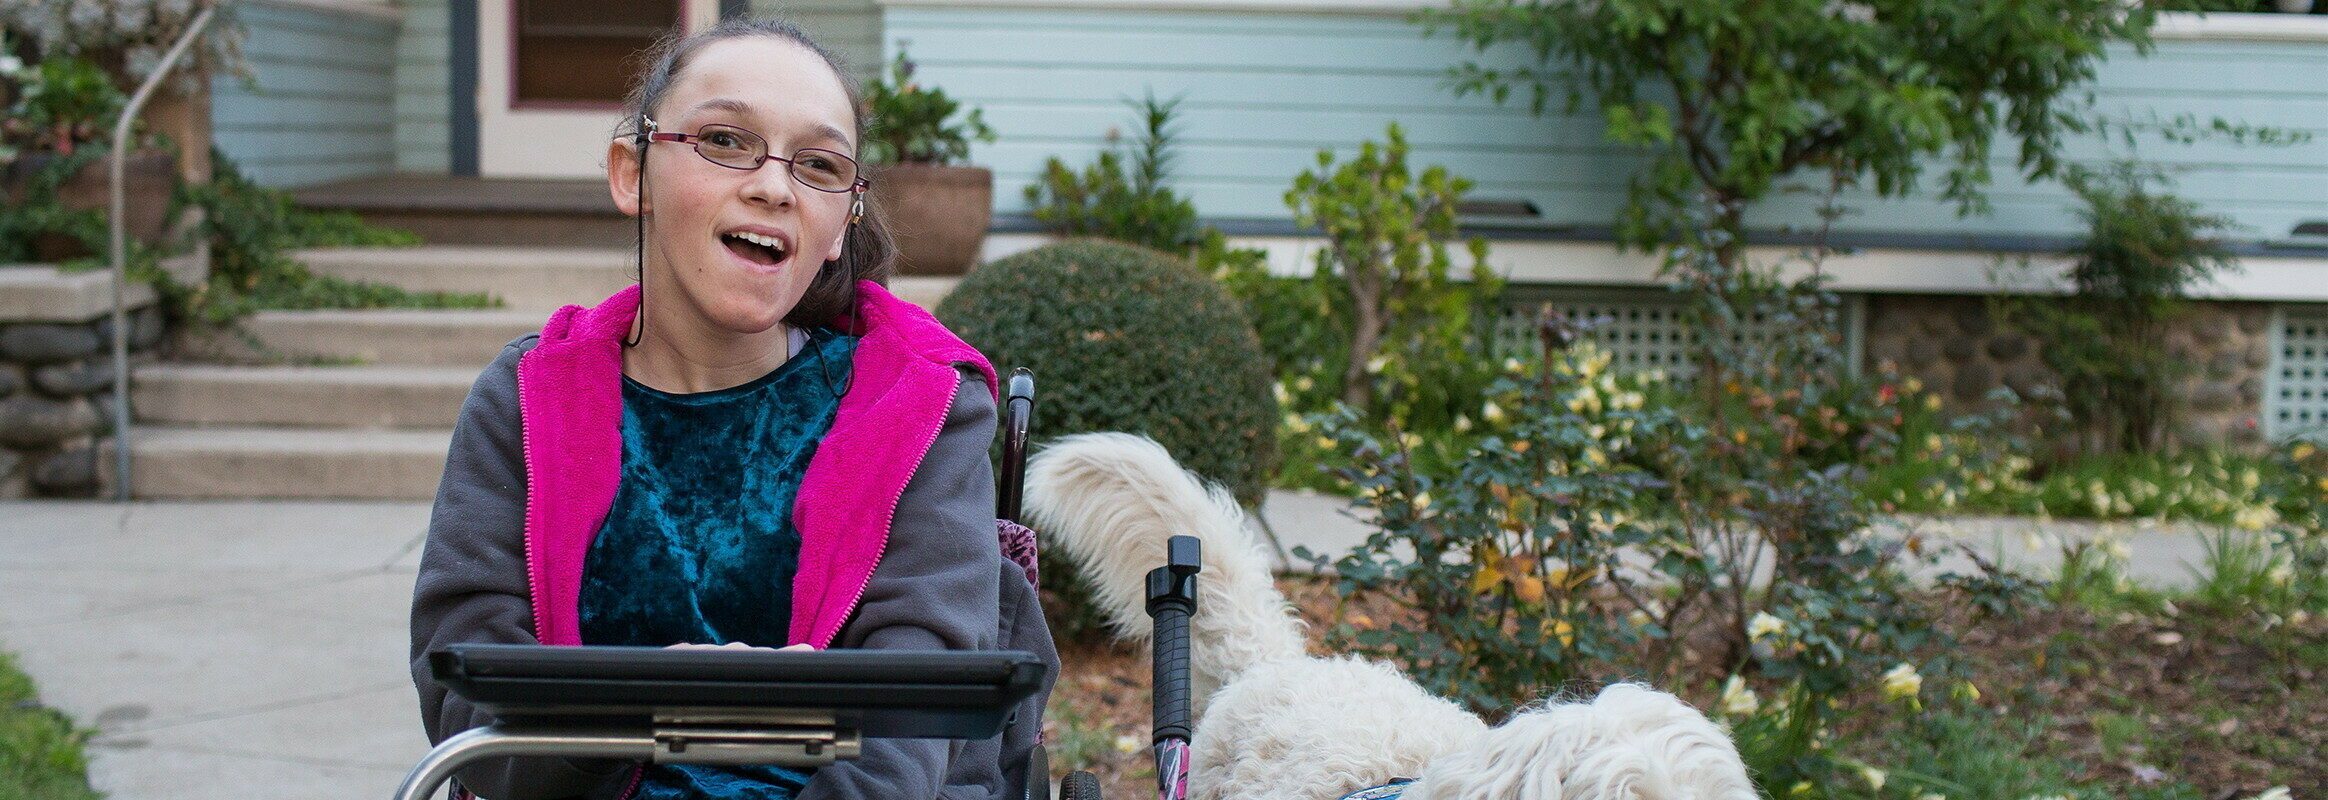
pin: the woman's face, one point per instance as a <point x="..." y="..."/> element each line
<point x="698" y="211"/>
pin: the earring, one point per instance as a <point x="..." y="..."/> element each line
<point x="857" y="209"/>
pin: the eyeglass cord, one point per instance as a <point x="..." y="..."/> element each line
<point x="638" y="331"/>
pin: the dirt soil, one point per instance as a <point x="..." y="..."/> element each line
<point x="2203" y="698"/>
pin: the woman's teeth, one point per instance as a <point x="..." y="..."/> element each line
<point x="766" y="247"/>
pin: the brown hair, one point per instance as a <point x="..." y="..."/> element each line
<point x="866" y="252"/>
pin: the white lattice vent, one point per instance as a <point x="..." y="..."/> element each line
<point x="2296" y="403"/>
<point x="1641" y="331"/>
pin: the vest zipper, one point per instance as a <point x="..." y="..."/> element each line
<point x="889" y="516"/>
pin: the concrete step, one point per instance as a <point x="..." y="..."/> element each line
<point x="284" y="463"/>
<point x="501" y="211"/>
<point x="923" y="290"/>
<point x="537" y="279"/>
<point x="385" y="396"/>
<point x="412" y="337"/>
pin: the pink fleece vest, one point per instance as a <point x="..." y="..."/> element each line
<point x="570" y="399"/>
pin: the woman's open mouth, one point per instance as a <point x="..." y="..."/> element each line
<point x="765" y="251"/>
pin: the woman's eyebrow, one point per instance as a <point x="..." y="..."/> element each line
<point x="727" y="104"/>
<point x="731" y="105"/>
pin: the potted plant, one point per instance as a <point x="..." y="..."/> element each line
<point x="56" y="176"/>
<point x="937" y="213"/>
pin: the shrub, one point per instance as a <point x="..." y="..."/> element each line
<point x="1383" y="323"/>
<point x="1610" y="525"/>
<point x="1123" y="338"/>
<point x="2146" y="250"/>
<point x="1412" y="340"/>
<point x="1107" y="200"/>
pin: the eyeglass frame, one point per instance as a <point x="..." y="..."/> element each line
<point x="859" y="184"/>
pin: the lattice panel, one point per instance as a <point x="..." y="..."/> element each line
<point x="1641" y="332"/>
<point x="2297" y="404"/>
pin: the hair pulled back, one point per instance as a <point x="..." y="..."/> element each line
<point x="866" y="251"/>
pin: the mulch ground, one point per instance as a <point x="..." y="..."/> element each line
<point x="2203" y="698"/>
<point x="2211" y="699"/>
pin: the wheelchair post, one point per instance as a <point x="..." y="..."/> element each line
<point x="1171" y="601"/>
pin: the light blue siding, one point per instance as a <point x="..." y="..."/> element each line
<point x="423" y="83"/>
<point x="849" y="29"/>
<point x="1265" y="91"/>
<point x="320" y="106"/>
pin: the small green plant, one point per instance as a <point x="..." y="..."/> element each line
<point x="1074" y="741"/>
<point x="1382" y="323"/>
<point x="2145" y="251"/>
<point x="1414" y="341"/>
<point x="1510" y="557"/>
<point x="2094" y="576"/>
<point x="36" y="209"/>
<point x="910" y="124"/>
<point x="1123" y="195"/>
<point x="2257" y="575"/>
<point x="62" y="104"/>
<point x="41" y="754"/>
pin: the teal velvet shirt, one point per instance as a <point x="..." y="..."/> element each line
<point x="700" y="546"/>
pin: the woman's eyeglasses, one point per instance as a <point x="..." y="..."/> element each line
<point x="736" y="148"/>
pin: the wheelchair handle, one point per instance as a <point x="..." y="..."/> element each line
<point x="1171" y="601"/>
<point x="1018" y="415"/>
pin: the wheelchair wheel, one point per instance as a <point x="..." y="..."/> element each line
<point x="1079" y="785"/>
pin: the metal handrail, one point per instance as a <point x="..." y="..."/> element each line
<point x="118" y="249"/>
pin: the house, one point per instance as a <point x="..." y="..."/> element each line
<point x="510" y="91"/>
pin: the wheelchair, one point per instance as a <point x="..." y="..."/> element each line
<point x="799" y="709"/>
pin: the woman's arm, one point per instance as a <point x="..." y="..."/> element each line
<point x="472" y="585"/>
<point x="936" y="588"/>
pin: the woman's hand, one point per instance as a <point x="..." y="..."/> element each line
<point x="735" y="646"/>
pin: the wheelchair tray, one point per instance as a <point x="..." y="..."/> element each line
<point x="882" y="693"/>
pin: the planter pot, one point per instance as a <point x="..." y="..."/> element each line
<point x="938" y="215"/>
<point x="147" y="179"/>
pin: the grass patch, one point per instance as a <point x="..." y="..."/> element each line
<point x="40" y="750"/>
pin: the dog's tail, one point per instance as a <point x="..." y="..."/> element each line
<point x="1113" y="499"/>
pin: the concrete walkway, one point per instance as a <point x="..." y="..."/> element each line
<point x="227" y="650"/>
<point x="256" y="651"/>
<point x="2159" y="555"/>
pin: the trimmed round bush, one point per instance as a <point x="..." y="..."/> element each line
<point x="1124" y="338"/>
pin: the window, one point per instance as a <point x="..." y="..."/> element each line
<point x="585" y="51"/>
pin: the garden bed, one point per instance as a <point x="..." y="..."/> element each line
<point x="2077" y="699"/>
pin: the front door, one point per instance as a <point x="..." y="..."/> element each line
<point x="552" y="74"/>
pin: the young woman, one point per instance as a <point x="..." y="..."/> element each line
<point x="755" y="446"/>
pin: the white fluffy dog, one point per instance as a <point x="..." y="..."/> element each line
<point x="1275" y="723"/>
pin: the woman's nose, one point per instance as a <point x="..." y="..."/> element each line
<point x="772" y="183"/>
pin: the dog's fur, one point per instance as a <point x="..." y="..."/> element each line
<point x="1274" y="722"/>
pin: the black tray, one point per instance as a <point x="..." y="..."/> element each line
<point x="884" y="693"/>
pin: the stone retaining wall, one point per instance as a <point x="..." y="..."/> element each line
<point x="56" y="376"/>
<point x="1958" y="350"/>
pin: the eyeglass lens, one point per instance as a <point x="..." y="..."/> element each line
<point x="741" y="149"/>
